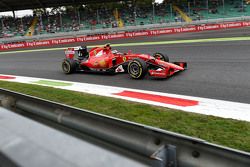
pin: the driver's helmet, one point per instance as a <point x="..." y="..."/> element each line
<point x="82" y="52"/>
<point x="107" y="46"/>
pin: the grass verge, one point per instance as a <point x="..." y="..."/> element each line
<point x="227" y="132"/>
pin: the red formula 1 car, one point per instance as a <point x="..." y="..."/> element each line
<point x="106" y="60"/>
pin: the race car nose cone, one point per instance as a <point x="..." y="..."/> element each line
<point x="174" y="66"/>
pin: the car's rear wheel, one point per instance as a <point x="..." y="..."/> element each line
<point x="69" y="66"/>
<point x="161" y="56"/>
<point x="137" y="68"/>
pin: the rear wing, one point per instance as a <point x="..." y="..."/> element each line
<point x="70" y="52"/>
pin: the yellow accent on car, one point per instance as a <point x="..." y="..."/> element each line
<point x="102" y="63"/>
<point x="124" y="59"/>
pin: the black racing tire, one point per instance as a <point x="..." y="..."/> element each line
<point x="137" y="68"/>
<point x="161" y="57"/>
<point x="69" y="66"/>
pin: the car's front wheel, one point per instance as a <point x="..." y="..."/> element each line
<point x="69" y="66"/>
<point x="161" y="56"/>
<point x="137" y="68"/>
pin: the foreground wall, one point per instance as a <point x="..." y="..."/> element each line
<point x="102" y="140"/>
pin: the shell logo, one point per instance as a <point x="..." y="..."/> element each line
<point x="102" y="63"/>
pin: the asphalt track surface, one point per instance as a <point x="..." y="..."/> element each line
<point x="218" y="70"/>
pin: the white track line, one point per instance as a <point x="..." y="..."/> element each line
<point x="219" y="108"/>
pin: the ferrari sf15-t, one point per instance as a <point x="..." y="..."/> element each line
<point x="104" y="59"/>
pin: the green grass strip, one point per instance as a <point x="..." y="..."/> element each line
<point x="52" y="83"/>
<point x="227" y="132"/>
<point x="143" y="43"/>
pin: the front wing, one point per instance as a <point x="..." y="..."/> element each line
<point x="167" y="72"/>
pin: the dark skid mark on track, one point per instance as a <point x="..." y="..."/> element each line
<point x="218" y="70"/>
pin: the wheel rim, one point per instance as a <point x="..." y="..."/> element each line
<point x="134" y="69"/>
<point x="66" y="67"/>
